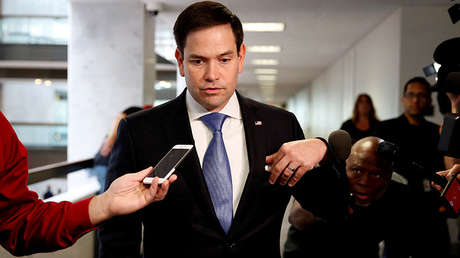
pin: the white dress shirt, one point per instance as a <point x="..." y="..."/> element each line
<point x="234" y="140"/>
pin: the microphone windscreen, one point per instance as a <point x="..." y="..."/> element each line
<point x="340" y="143"/>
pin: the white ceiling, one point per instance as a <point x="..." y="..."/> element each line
<point x="317" y="33"/>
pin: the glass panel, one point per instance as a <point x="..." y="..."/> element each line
<point x="34" y="30"/>
<point x="34" y="7"/>
<point x="42" y="135"/>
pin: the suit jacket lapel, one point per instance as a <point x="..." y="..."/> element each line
<point x="255" y="144"/>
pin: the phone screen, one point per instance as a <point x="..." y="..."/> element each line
<point x="453" y="195"/>
<point x="168" y="162"/>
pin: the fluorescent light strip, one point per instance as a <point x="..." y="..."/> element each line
<point x="263" y="26"/>
<point x="266" y="77"/>
<point x="265" y="62"/>
<point x="265" y="71"/>
<point x="264" y="49"/>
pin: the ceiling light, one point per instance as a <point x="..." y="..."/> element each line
<point x="263" y="26"/>
<point x="264" y="49"/>
<point x="48" y="83"/>
<point x="266" y="77"/>
<point x="38" y="81"/>
<point x="267" y="84"/>
<point x="265" y="62"/>
<point x="265" y="71"/>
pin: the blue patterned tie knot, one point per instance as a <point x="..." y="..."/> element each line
<point x="216" y="171"/>
<point x="214" y="121"/>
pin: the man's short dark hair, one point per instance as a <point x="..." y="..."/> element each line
<point x="420" y="80"/>
<point x="202" y="15"/>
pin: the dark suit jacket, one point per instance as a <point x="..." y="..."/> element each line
<point x="184" y="223"/>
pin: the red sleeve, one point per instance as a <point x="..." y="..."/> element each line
<point x="29" y="225"/>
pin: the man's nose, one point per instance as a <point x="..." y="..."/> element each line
<point x="212" y="72"/>
<point x="364" y="179"/>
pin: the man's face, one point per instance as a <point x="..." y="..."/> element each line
<point x="211" y="65"/>
<point x="416" y="99"/>
<point x="368" y="182"/>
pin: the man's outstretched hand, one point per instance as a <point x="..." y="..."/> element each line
<point x="126" y="195"/>
<point x="294" y="159"/>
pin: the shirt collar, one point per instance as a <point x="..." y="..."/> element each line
<point x="195" y="110"/>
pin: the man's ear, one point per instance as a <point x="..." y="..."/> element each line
<point x="180" y="61"/>
<point x="241" y="56"/>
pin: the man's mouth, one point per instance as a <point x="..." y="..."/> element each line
<point x="212" y="90"/>
<point x="362" y="196"/>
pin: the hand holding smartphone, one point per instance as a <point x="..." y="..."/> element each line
<point x="167" y="165"/>
<point x="452" y="193"/>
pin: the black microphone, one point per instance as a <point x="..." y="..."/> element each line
<point x="340" y="144"/>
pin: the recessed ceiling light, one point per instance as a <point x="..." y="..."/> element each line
<point x="263" y="26"/>
<point x="38" y="81"/>
<point x="265" y="71"/>
<point x="264" y="49"/>
<point x="266" y="77"/>
<point x="48" y="83"/>
<point x="265" y="62"/>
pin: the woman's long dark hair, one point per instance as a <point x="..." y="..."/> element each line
<point x="372" y="115"/>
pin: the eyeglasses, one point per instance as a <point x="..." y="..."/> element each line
<point x="411" y="95"/>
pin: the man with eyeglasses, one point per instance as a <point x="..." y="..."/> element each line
<point x="417" y="139"/>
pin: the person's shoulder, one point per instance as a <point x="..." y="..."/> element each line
<point x="432" y="125"/>
<point x="347" y="123"/>
<point x="264" y="109"/>
<point x="158" y="112"/>
<point x="390" y="121"/>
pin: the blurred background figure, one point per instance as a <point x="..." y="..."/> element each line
<point x="364" y="120"/>
<point x="101" y="160"/>
<point x="48" y="193"/>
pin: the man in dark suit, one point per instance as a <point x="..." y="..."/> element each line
<point x="224" y="202"/>
<point x="417" y="139"/>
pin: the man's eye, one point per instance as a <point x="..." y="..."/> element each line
<point x="225" y="60"/>
<point x="196" y="61"/>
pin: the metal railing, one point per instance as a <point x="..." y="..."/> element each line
<point x="57" y="170"/>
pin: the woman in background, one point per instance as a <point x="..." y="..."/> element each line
<point x="364" y="120"/>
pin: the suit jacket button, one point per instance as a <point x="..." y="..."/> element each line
<point x="231" y="245"/>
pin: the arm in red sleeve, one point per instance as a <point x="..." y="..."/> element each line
<point x="29" y="225"/>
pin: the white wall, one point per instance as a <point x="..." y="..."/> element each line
<point x="371" y="66"/>
<point x="423" y="28"/>
<point x="379" y="64"/>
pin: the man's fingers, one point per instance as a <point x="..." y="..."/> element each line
<point x="269" y="159"/>
<point x="435" y="186"/>
<point x="143" y="173"/>
<point x="162" y="190"/>
<point x="274" y="158"/>
<point x="276" y="169"/>
<point x="153" y="189"/>
<point x="298" y="175"/>
<point x="288" y="172"/>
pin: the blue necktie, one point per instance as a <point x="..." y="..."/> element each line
<point x="216" y="170"/>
